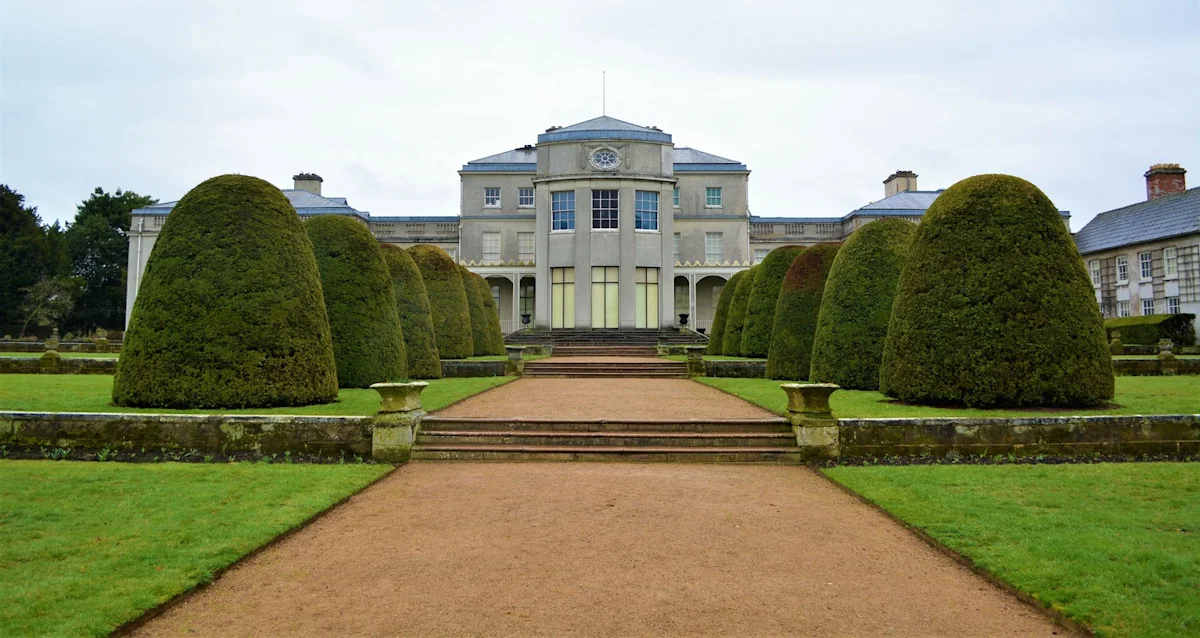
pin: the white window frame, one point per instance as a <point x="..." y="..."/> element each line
<point x="1170" y="262"/>
<point x="676" y="247"/>
<point x="712" y="240"/>
<point x="491" y="237"/>
<point x="1173" y="305"/>
<point x="1094" y="268"/>
<point x="675" y="198"/>
<point x="525" y="246"/>
<point x="525" y="197"/>
<point x="607" y="218"/>
<point x="760" y="254"/>
<point x="565" y="222"/>
<point x="1148" y="307"/>
<point x="1146" y="265"/>
<point x="1122" y="308"/>
<point x="488" y="196"/>
<point x="1122" y="270"/>
<point x="713" y="194"/>
<point x="645" y="211"/>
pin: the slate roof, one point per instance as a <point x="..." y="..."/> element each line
<point x="685" y="155"/>
<point x="605" y="123"/>
<point x="524" y="160"/>
<point x="1152" y="220"/>
<point x="604" y="128"/>
<point x="904" y="200"/>
<point x="523" y="155"/>
<point x="304" y="202"/>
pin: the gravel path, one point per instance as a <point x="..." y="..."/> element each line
<point x="605" y="549"/>
<point x="607" y="399"/>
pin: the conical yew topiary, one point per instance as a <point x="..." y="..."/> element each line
<point x="716" y="334"/>
<point x="359" y="299"/>
<point x="994" y="306"/>
<point x="416" y="320"/>
<point x="760" y="308"/>
<point x="491" y="314"/>
<point x="735" y="321"/>
<point x="796" y="313"/>
<point x="857" y="305"/>
<point x="230" y="312"/>
<point x="447" y="300"/>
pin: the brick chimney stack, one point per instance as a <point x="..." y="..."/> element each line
<point x="1163" y="180"/>
<point x="310" y="182"/>
<point x="899" y="182"/>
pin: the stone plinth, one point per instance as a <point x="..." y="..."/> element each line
<point x="399" y="418"/>
<point x="812" y="420"/>
<point x="695" y="359"/>
<point x="515" y="364"/>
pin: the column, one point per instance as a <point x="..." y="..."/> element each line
<point x="692" y="300"/>
<point x="541" y="259"/>
<point x="627" y="288"/>
<point x="515" y="278"/>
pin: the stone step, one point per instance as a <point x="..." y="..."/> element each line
<point x="668" y="366"/>
<point x="607" y="439"/>
<point x="783" y="455"/>
<point x="776" y="425"/>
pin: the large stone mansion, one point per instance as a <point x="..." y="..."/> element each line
<point x="602" y="224"/>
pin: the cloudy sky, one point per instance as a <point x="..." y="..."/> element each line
<point x="386" y="100"/>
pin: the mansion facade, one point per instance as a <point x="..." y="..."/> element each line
<point x="602" y="224"/>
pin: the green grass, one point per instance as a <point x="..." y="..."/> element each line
<point x="1114" y="546"/>
<point x="712" y="357"/>
<point x="93" y="393"/>
<point x="1135" y="395"/>
<point x="65" y="355"/>
<point x="1151" y="356"/>
<point x="90" y="546"/>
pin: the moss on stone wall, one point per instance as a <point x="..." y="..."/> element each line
<point x="230" y="312"/>
<point x="367" y="343"/>
<point x="857" y="305"/>
<point x="416" y="318"/>
<point x="447" y="301"/>
<point x="995" y="307"/>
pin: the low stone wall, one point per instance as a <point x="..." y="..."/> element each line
<point x="1153" y="367"/>
<point x="65" y="346"/>
<point x="318" y="435"/>
<point x="1058" y="436"/>
<point x="59" y="365"/>
<point x="736" y="369"/>
<point x="457" y="368"/>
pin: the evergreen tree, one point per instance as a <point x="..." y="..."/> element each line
<point x="22" y="253"/>
<point x="98" y="243"/>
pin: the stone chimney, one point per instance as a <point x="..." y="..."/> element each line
<point x="899" y="182"/>
<point x="310" y="182"/>
<point x="1163" y="180"/>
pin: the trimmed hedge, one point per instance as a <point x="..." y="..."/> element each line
<point x="367" y="343"/>
<point x="760" y="309"/>
<point x="1180" y="328"/>
<point x="491" y="315"/>
<point x="716" y="333"/>
<point x="447" y="300"/>
<point x="857" y="305"/>
<point x="796" y="312"/>
<point x="731" y="344"/>
<point x="479" y="332"/>
<point x="416" y="320"/>
<point x="230" y="312"/>
<point x="995" y="307"/>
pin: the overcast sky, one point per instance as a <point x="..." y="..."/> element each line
<point x="386" y="100"/>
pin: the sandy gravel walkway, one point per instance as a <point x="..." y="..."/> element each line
<point x="606" y="398"/>
<point x="601" y="549"/>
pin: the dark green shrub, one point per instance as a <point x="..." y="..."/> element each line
<point x="735" y="321"/>
<point x="447" y="300"/>
<point x="416" y="319"/>
<point x="796" y="312"/>
<point x="1180" y="328"/>
<point x="994" y="306"/>
<point x="760" y="309"/>
<point x="716" y="333"/>
<point x="857" y="305"/>
<point x="367" y="343"/>
<point x="491" y="315"/>
<point x="230" y="312"/>
<point x="479" y="334"/>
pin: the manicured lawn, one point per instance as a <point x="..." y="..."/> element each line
<point x="711" y="357"/>
<point x="1150" y="356"/>
<point x="93" y="393"/>
<point x="90" y="546"/>
<point x="1114" y="546"/>
<point x="1135" y="395"/>
<point x="65" y="355"/>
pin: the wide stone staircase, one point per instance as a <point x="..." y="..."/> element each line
<point x="765" y="440"/>
<point x="642" y="338"/>
<point x="598" y="368"/>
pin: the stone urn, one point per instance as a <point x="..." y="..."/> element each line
<point x="683" y="317"/>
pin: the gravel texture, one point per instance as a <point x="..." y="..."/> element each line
<point x="498" y="549"/>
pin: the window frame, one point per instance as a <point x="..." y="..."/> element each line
<point x="677" y="247"/>
<point x="487" y="196"/>
<point x="1148" y="304"/>
<point x="488" y="235"/>
<point x="710" y="197"/>
<point x="1123" y="309"/>
<point x="1172" y="305"/>
<point x="562" y="220"/>
<point x="1170" y="262"/>
<point x="720" y="243"/>
<point x="1122" y="263"/>
<point x="645" y="218"/>
<point x="1094" y="270"/>
<point x="522" y="236"/>
<point x="765" y="252"/>
<point x="1146" y="265"/>
<point x="606" y="218"/>
<point x="521" y="191"/>
<point x="675" y="198"/>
